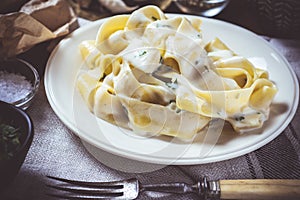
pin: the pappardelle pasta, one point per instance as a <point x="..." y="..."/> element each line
<point x="154" y="74"/>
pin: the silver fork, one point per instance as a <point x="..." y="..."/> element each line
<point x="224" y="189"/>
<point x="127" y="189"/>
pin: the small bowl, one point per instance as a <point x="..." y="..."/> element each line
<point x="18" y="118"/>
<point x="19" y="82"/>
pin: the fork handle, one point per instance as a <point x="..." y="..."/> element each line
<point x="260" y="189"/>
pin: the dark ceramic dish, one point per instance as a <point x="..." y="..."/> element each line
<point x="15" y="117"/>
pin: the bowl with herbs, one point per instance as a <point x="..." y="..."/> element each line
<point x="16" y="134"/>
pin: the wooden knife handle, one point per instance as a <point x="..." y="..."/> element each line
<point x="260" y="189"/>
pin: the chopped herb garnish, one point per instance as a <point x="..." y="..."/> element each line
<point x="206" y="68"/>
<point x="163" y="26"/>
<point x="175" y="81"/>
<point x="173" y="84"/>
<point x="143" y="53"/>
<point x="9" y="141"/>
<point x="161" y="60"/>
<point x="240" y="118"/>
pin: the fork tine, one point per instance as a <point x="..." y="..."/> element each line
<point x="73" y="189"/>
<point x="63" y="196"/>
<point x="85" y="191"/>
<point x="113" y="185"/>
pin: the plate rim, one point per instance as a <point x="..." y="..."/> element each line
<point x="179" y="161"/>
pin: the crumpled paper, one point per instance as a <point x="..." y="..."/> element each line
<point x="97" y="9"/>
<point x="37" y="21"/>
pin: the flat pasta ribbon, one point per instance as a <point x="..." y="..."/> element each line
<point x="203" y="81"/>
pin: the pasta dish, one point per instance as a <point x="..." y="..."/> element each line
<point x="154" y="74"/>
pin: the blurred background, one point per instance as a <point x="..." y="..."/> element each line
<point x="273" y="18"/>
<point x="269" y="18"/>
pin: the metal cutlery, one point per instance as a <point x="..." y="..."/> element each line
<point x="205" y="189"/>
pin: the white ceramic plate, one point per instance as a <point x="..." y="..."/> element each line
<point x="66" y="102"/>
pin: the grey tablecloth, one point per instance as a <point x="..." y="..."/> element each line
<point x="58" y="152"/>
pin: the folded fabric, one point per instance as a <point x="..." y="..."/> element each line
<point x="36" y="22"/>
